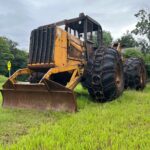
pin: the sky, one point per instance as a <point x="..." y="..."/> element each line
<point x="19" y="17"/>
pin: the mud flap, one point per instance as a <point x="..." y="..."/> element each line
<point x="47" y="95"/>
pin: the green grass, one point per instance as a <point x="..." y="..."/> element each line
<point x="2" y="80"/>
<point x="120" y="124"/>
<point x="17" y="122"/>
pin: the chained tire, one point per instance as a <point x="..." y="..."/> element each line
<point x="103" y="75"/>
<point x="135" y="73"/>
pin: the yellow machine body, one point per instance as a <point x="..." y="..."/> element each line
<point x="48" y="94"/>
<point x="63" y="41"/>
<point x="57" y="60"/>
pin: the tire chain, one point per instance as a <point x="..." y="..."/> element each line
<point x="99" y="53"/>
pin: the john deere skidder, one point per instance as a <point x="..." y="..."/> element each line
<point x="61" y="58"/>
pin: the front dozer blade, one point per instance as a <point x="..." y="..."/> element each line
<point x="47" y="95"/>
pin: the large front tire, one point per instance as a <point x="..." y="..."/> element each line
<point x="104" y="75"/>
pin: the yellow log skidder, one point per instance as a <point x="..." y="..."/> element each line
<point x="61" y="58"/>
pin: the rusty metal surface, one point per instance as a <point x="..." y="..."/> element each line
<point x="40" y="66"/>
<point x="48" y="96"/>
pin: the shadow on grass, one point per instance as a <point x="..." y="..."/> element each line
<point x="83" y="99"/>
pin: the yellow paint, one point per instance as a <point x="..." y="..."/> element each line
<point x="62" y="62"/>
<point x="74" y="80"/>
<point x="62" y="42"/>
<point x="18" y="73"/>
<point x="60" y="49"/>
<point x="60" y="57"/>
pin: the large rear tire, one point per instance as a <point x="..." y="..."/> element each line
<point x="135" y="73"/>
<point x="104" y="75"/>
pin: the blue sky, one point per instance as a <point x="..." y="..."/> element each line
<point x="19" y="17"/>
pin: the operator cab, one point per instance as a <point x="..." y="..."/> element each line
<point x="84" y="28"/>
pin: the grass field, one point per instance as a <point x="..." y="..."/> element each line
<point x="120" y="124"/>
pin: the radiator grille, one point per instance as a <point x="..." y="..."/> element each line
<point x="42" y="45"/>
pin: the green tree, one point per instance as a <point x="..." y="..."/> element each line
<point x="10" y="52"/>
<point x="12" y="44"/>
<point x="107" y="38"/>
<point x="132" y="52"/>
<point x="20" y="59"/>
<point x="143" y="29"/>
<point x="127" y="40"/>
<point x="5" y="55"/>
